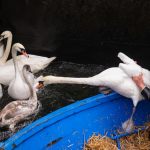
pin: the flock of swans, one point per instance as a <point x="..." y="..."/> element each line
<point x="17" y="74"/>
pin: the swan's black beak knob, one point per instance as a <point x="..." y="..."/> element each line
<point x="41" y="83"/>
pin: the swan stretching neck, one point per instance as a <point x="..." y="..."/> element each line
<point x="116" y="78"/>
<point x="52" y="79"/>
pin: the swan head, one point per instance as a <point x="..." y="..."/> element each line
<point x="41" y="83"/>
<point x="45" y="81"/>
<point x="20" y="48"/>
<point x="5" y="35"/>
<point x="27" y="68"/>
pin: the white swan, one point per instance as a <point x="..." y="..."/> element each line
<point x="18" y="89"/>
<point x="111" y="77"/>
<point x="7" y="73"/>
<point x="36" y="63"/>
<point x="114" y="78"/>
<point x="16" y="111"/>
<point x="132" y="70"/>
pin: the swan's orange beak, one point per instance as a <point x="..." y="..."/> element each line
<point x="1" y="38"/>
<point x="39" y="85"/>
<point x="24" y="53"/>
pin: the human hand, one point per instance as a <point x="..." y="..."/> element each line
<point x="139" y="81"/>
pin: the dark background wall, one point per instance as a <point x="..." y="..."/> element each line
<point x="81" y="31"/>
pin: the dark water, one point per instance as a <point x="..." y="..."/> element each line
<point x="55" y="96"/>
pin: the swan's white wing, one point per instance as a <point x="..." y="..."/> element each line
<point x="32" y="59"/>
<point x="36" y="63"/>
<point x="125" y="58"/>
<point x="30" y="56"/>
<point x="131" y="70"/>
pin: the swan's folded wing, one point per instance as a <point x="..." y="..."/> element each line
<point x="131" y="70"/>
<point x="36" y="63"/>
<point x="125" y="58"/>
<point x="19" y="57"/>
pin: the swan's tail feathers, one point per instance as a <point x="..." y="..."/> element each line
<point x="125" y="59"/>
<point x="46" y="63"/>
<point x="52" y="58"/>
<point x="41" y="65"/>
<point x="131" y="70"/>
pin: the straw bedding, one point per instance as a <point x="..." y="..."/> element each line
<point x="98" y="142"/>
<point x="136" y="141"/>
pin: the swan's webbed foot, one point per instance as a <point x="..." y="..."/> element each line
<point x="105" y="90"/>
<point x="128" y="126"/>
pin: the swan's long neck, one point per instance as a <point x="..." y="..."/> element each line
<point x="53" y="79"/>
<point x="7" y="51"/>
<point x="14" y="56"/>
<point x="33" y="95"/>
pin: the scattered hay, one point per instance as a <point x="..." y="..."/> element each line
<point x="136" y="141"/>
<point x="98" y="142"/>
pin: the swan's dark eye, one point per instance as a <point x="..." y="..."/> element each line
<point x="22" y="50"/>
<point x="41" y="82"/>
